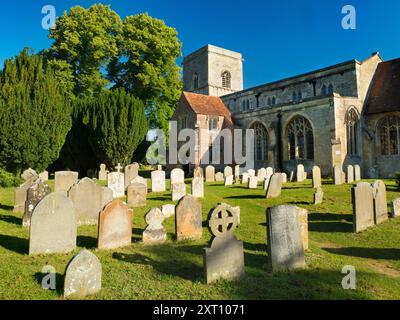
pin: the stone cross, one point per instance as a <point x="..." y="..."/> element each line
<point x="119" y="167"/>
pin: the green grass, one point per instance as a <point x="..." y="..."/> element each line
<point x="175" y="270"/>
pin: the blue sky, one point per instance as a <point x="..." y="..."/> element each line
<point x="278" y="39"/>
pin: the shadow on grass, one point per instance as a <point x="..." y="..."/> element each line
<point x="299" y="203"/>
<point x="6" y="207"/>
<point x="11" y="219"/>
<point x="38" y="276"/>
<point x="250" y="196"/>
<point x="18" y="245"/>
<point x="371" y="253"/>
<point x="86" y="242"/>
<point x="165" y="198"/>
<point x="330" y="222"/>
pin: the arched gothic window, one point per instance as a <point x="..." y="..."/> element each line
<point x="389" y="132"/>
<point x="300" y="139"/>
<point x="195" y="81"/>
<point x="352" y="132"/>
<point x="260" y="141"/>
<point x="226" y="79"/>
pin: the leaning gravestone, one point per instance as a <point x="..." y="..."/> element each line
<point x="225" y="257"/>
<point x="115" y="226"/>
<point x="116" y="182"/>
<point x="338" y="175"/>
<point x="302" y="219"/>
<point x="210" y="174"/>
<point x="177" y="176"/>
<point x="20" y="194"/>
<point x="103" y="173"/>
<point x="89" y="200"/>
<point x="318" y="196"/>
<point x="188" y="219"/>
<point x="275" y="186"/>
<point x="131" y="172"/>
<point x="357" y="173"/>
<point x="64" y="180"/>
<point x="395" y="208"/>
<point x="228" y="171"/>
<point x="228" y="180"/>
<point x="253" y="182"/>
<point x="219" y="177"/>
<point x="34" y="195"/>
<point x="137" y="195"/>
<point x="53" y="225"/>
<point x="140" y="180"/>
<point x="363" y="206"/>
<point x="83" y="276"/>
<point x="316" y="177"/>
<point x="285" y="245"/>
<point x="350" y="174"/>
<point x="380" y="202"/>
<point x="261" y="174"/>
<point x="198" y="187"/>
<point x="158" y="181"/>
<point x="300" y="173"/>
<point x="155" y="233"/>
<point x="178" y="191"/>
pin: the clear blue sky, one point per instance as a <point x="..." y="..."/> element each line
<point x="277" y="38"/>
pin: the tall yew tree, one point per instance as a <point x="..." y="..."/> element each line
<point x="35" y="112"/>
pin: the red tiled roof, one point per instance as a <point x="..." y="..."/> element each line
<point x="384" y="94"/>
<point x="207" y="105"/>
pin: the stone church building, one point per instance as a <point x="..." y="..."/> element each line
<point x="348" y="113"/>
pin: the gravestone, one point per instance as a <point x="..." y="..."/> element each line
<point x="158" y="181"/>
<point x="103" y="173"/>
<point x="115" y="226"/>
<point x="380" y="202"/>
<point x="305" y="175"/>
<point x="275" y="186"/>
<point x="64" y="180"/>
<point x="83" y="276"/>
<point x="116" y="182"/>
<point x="316" y="177"/>
<point x="251" y="172"/>
<point x="338" y="175"/>
<point x="245" y="178"/>
<point x="168" y="210"/>
<point x="284" y="177"/>
<point x="210" y="174"/>
<point x="178" y="191"/>
<point x="198" y="173"/>
<point x="20" y="194"/>
<point x="219" y="177"/>
<point x="261" y="174"/>
<point x="237" y="174"/>
<point x="198" y="187"/>
<point x="267" y="181"/>
<point x="228" y="171"/>
<point x="131" y="172"/>
<point x="253" y="182"/>
<point x="188" y="219"/>
<point x="137" y="195"/>
<point x="318" y="196"/>
<point x="291" y="177"/>
<point x="53" y="225"/>
<point x="89" y="200"/>
<point x="29" y="175"/>
<point x="229" y="180"/>
<point x="302" y="219"/>
<point x="300" y="173"/>
<point x="44" y="176"/>
<point x="34" y="195"/>
<point x="155" y="233"/>
<point x="350" y="174"/>
<point x="225" y="257"/>
<point x="363" y="206"/>
<point x="357" y="173"/>
<point x="140" y="180"/>
<point x="395" y="208"/>
<point x="285" y="245"/>
<point x="177" y="176"/>
<point x="269" y="171"/>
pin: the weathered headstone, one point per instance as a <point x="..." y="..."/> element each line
<point x="357" y="173"/>
<point x="64" y="180"/>
<point x="137" y="195"/>
<point x="395" y="208"/>
<point x="253" y="182"/>
<point x="188" y="219"/>
<point x="285" y="245"/>
<point x="380" y="202"/>
<point x="177" y="176"/>
<point x="237" y="174"/>
<point x="225" y="257"/>
<point x="115" y="226"/>
<point x="140" y="180"/>
<point x="89" y="200"/>
<point x="338" y="175"/>
<point x="300" y="173"/>
<point x="251" y="172"/>
<point x="34" y="195"/>
<point x="131" y="172"/>
<point x="284" y="177"/>
<point x="44" y="176"/>
<point x="228" y="171"/>
<point x="155" y="233"/>
<point x="210" y="174"/>
<point x="302" y="219"/>
<point x="198" y="187"/>
<point x="20" y="194"/>
<point x="103" y="173"/>
<point x="116" y="182"/>
<point x="178" y="191"/>
<point x="318" y="196"/>
<point x="316" y="177"/>
<point x="53" y="225"/>
<point x="363" y="206"/>
<point x="275" y="186"/>
<point x="269" y="171"/>
<point x="158" y="181"/>
<point x="261" y="174"/>
<point x="83" y="276"/>
<point x="245" y="178"/>
<point x="350" y="174"/>
<point x="229" y="180"/>
<point x="219" y="177"/>
<point x="29" y="175"/>
<point x="168" y="210"/>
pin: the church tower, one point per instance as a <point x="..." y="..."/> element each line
<point x="213" y="71"/>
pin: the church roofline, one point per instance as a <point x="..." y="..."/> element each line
<point x="213" y="49"/>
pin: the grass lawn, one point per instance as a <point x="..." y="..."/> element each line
<point x="175" y="271"/>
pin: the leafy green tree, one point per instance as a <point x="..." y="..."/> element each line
<point x="116" y="123"/>
<point x="35" y="113"/>
<point x="146" y="66"/>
